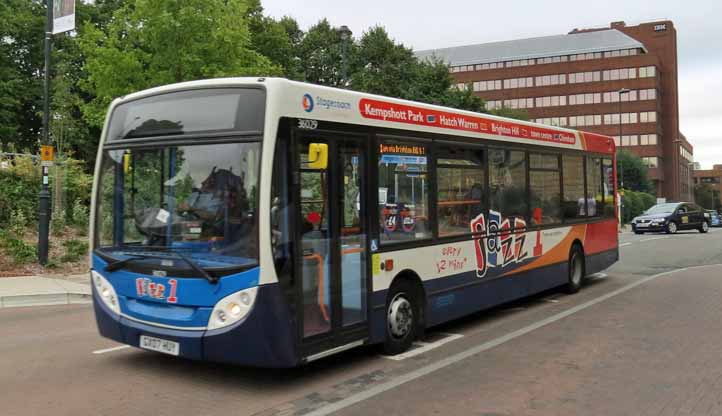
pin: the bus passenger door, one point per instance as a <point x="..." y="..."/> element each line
<point x="332" y="257"/>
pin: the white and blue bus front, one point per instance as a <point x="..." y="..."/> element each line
<point x="175" y="259"/>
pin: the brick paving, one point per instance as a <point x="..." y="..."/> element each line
<point x="654" y="350"/>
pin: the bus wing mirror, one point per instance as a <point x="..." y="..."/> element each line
<point x="317" y="156"/>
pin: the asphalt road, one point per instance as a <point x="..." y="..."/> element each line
<point x="644" y="338"/>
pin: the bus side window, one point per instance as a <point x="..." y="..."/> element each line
<point x="403" y="191"/>
<point x="507" y="183"/>
<point x="608" y="188"/>
<point x="545" y="187"/>
<point x="461" y="183"/>
<point x="595" y="199"/>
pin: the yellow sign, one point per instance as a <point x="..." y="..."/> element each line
<point x="376" y="264"/>
<point x="47" y="153"/>
<point x="685" y="220"/>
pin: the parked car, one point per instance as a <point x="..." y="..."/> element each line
<point x="715" y="220"/>
<point x="671" y="217"/>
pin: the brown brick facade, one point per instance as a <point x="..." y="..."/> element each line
<point x="672" y="176"/>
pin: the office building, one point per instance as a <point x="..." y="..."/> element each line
<point x="619" y="80"/>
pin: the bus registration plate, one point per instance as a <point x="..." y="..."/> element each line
<point x="160" y="345"/>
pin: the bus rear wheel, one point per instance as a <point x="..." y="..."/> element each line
<point x="576" y="270"/>
<point x="403" y="314"/>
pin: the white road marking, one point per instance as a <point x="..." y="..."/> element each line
<point x="652" y="239"/>
<point x="625" y="244"/>
<point x="598" y="275"/>
<point x="453" y="359"/>
<point x="122" y="347"/>
<point x="424" y="347"/>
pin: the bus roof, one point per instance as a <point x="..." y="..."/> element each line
<point x="302" y="100"/>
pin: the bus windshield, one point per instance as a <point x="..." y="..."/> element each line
<point x="199" y="200"/>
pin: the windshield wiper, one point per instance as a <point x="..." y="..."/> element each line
<point x="118" y="264"/>
<point x="196" y="268"/>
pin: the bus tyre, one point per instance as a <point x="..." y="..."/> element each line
<point x="671" y="228"/>
<point x="704" y="227"/>
<point x="403" y="313"/>
<point x="576" y="270"/>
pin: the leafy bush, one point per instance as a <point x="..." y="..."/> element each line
<point x="74" y="250"/>
<point x="18" y="250"/>
<point x="77" y="186"/>
<point x="20" y="184"/>
<point x="648" y="200"/>
<point x="635" y="203"/>
<point x="81" y="216"/>
<point x="18" y="222"/>
<point x="58" y="223"/>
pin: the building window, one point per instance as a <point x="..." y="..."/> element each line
<point x="648" y="117"/>
<point x="647" y="72"/>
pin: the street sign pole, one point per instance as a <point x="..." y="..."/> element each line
<point x="44" y="195"/>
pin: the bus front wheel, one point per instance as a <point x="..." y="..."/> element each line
<point x="576" y="269"/>
<point x="403" y="314"/>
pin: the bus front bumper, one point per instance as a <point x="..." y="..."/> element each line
<point x="263" y="339"/>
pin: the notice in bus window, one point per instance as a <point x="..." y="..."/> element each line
<point x="403" y="192"/>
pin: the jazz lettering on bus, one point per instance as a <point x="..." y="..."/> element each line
<point x="505" y="244"/>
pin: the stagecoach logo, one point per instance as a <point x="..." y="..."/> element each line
<point x="145" y="287"/>
<point x="307" y="103"/>
<point x="310" y="103"/>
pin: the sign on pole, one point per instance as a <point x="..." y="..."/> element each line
<point x="47" y="155"/>
<point x="63" y="16"/>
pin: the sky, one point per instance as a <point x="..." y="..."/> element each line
<point x="424" y="24"/>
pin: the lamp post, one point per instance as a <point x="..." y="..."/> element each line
<point x="44" y="194"/>
<point x="620" y="170"/>
<point x="345" y="34"/>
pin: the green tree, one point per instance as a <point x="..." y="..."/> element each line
<point x="632" y="172"/>
<point x="706" y="196"/>
<point x="321" y="58"/>
<point x="519" y="114"/>
<point x="278" y="40"/>
<point x="21" y="62"/>
<point x="149" y="43"/>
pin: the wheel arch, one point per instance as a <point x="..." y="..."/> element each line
<point x="413" y="278"/>
<point x="578" y="243"/>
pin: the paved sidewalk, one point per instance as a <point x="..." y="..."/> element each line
<point x="44" y="291"/>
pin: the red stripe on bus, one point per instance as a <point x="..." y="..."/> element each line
<point x="402" y="113"/>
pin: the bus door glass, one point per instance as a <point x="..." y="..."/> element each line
<point x="353" y="234"/>
<point x="332" y="235"/>
<point x="315" y="244"/>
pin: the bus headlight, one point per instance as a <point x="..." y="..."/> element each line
<point x="105" y="290"/>
<point x="232" y="308"/>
